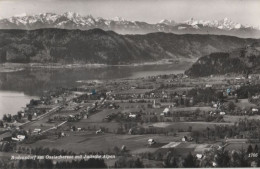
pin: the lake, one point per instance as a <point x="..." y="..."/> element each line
<point x="11" y="102"/>
<point x="17" y="88"/>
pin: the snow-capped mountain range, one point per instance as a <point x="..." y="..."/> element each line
<point x="71" y="20"/>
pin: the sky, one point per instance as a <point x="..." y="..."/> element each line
<point x="246" y="12"/>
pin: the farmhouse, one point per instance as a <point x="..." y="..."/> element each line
<point x="37" y="130"/>
<point x="165" y="112"/>
<point x="132" y="115"/>
<point x="222" y="113"/>
<point x="151" y="141"/>
<point x="18" y="138"/>
<point x="208" y="86"/>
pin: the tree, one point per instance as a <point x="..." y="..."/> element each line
<point x="208" y="129"/>
<point x="158" y="156"/>
<point x="219" y="95"/>
<point x="48" y="163"/>
<point x="138" y="163"/>
<point x="1" y="123"/>
<point x="249" y="96"/>
<point x="5" y="117"/>
<point x="19" y="115"/>
<point x="243" y="158"/>
<point x="256" y="149"/>
<point x="196" y="135"/>
<point x="189" y="128"/>
<point x="236" y="100"/>
<point x="222" y="158"/>
<point x="116" y="150"/>
<point x="29" y="117"/>
<point x="235" y="160"/>
<point x="249" y="149"/>
<point x="170" y="161"/>
<point x="28" y="163"/>
<point x="190" y="161"/>
<point x="20" y="164"/>
<point x="231" y="106"/>
<point x="6" y="147"/>
<point x="123" y="162"/>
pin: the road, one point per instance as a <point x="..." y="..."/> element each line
<point x="53" y="110"/>
<point x="58" y="108"/>
<point x="55" y="127"/>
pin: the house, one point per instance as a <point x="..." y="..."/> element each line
<point x="165" y="112"/>
<point x="255" y="97"/>
<point x="184" y="139"/>
<point x="71" y="116"/>
<point x="132" y="115"/>
<point x="214" y="104"/>
<point x="62" y="134"/>
<point x="208" y="86"/>
<point x="151" y="141"/>
<point x="222" y="113"/>
<point x="21" y="137"/>
<point x="18" y="138"/>
<point x="199" y="156"/>
<point x="37" y="130"/>
<point x="99" y="131"/>
<point x="123" y="148"/>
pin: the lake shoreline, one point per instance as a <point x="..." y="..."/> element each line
<point x="32" y="80"/>
<point x="8" y="98"/>
<point x="14" y="67"/>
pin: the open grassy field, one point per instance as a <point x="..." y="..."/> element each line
<point x="239" y="146"/>
<point x="185" y="125"/>
<point x="91" y="142"/>
<point x="243" y="104"/>
<point x="41" y="124"/>
<point x="206" y="108"/>
<point x="233" y="119"/>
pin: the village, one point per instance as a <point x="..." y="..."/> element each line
<point x="145" y="118"/>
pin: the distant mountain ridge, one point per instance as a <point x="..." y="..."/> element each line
<point x="71" y="20"/>
<point x="107" y="47"/>
<point x="243" y="61"/>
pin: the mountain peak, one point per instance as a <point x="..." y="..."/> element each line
<point x="225" y="23"/>
<point x="73" y="20"/>
<point x="168" y="22"/>
<point x="71" y="14"/>
<point x="119" y="19"/>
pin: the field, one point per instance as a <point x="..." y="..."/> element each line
<point x="91" y="142"/>
<point x="233" y="119"/>
<point x="243" y="103"/>
<point x="200" y="126"/>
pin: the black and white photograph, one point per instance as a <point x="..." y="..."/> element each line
<point x="129" y="84"/>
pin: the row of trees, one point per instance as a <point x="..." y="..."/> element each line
<point x="215" y="158"/>
<point x="245" y="128"/>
